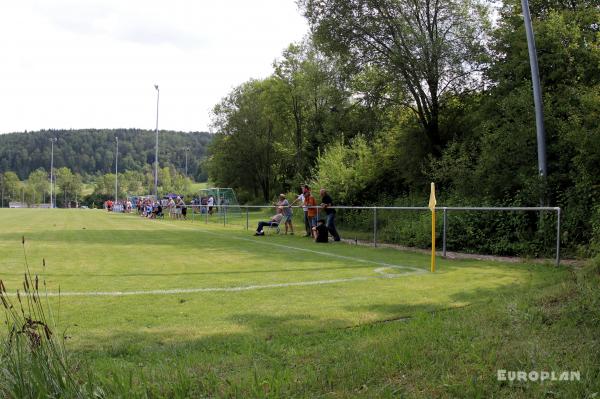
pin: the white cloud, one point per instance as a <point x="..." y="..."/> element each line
<point x="76" y="64"/>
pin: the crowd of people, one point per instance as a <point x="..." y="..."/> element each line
<point x="318" y="229"/>
<point x="118" y="206"/>
<point x="175" y="207"/>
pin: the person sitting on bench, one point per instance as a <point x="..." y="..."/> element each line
<point x="274" y="222"/>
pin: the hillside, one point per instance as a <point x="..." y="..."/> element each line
<point x="90" y="151"/>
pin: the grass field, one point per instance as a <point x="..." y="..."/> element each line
<point x="181" y="308"/>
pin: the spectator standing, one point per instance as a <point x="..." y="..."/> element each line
<point x="210" y="203"/>
<point x="326" y="204"/>
<point x="311" y="204"/>
<point x="178" y="208"/>
<point x="183" y="207"/>
<point x="300" y="199"/>
<point x="171" y="206"/>
<point x="287" y="213"/>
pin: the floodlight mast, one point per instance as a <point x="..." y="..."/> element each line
<point x="537" y="91"/>
<point x="117" y="171"/>
<point x="52" y="141"/>
<point x="186" y="149"/>
<point x="156" y="148"/>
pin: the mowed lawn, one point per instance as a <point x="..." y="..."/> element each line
<point x="232" y="309"/>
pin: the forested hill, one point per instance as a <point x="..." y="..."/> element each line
<point x="92" y="151"/>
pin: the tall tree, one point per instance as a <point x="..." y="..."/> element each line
<point x="429" y="47"/>
<point x="251" y="150"/>
<point x="38" y="184"/>
<point x="10" y="185"/>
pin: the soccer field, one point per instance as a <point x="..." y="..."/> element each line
<point x="140" y="292"/>
<point x="120" y="273"/>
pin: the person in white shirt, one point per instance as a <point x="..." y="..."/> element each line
<point x="300" y="199"/>
<point x="210" y="203"/>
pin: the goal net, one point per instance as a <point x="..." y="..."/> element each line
<point x="221" y="196"/>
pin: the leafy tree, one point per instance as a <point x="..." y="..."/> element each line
<point x="38" y="184"/>
<point x="346" y="171"/>
<point x="10" y="187"/>
<point x="496" y="161"/>
<point x="312" y="88"/>
<point x="429" y="48"/>
<point x="88" y="152"/>
<point x="251" y="150"/>
<point x="70" y="186"/>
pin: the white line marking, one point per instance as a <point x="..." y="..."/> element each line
<point x="257" y="240"/>
<point x="379" y="270"/>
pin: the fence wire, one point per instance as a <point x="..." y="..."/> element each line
<point x="514" y="229"/>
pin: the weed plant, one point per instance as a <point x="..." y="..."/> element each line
<point x="33" y="360"/>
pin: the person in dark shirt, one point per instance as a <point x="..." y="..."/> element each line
<point x="320" y="231"/>
<point x="326" y="204"/>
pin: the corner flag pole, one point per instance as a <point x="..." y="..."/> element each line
<point x="432" y="203"/>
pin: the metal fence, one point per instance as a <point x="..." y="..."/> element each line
<point x="381" y="225"/>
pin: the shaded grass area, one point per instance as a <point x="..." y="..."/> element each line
<point x="459" y="325"/>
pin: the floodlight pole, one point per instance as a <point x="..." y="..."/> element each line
<point x="117" y="171"/>
<point x="537" y="91"/>
<point x="186" y="149"/>
<point x="156" y="148"/>
<point x="52" y="141"/>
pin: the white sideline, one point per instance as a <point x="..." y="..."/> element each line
<point x="258" y="241"/>
<point x="379" y="270"/>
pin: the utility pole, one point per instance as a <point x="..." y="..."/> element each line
<point x="186" y="149"/>
<point x="117" y="172"/>
<point x="52" y="141"/>
<point x="156" y="149"/>
<point x="537" y="91"/>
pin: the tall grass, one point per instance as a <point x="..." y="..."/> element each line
<point x="33" y="359"/>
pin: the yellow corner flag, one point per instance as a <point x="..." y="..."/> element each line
<point x="432" y="203"/>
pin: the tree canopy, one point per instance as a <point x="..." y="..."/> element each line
<point x="89" y="152"/>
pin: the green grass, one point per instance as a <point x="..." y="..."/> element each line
<point x="453" y="328"/>
<point x="195" y="187"/>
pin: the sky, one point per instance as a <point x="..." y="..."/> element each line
<point x="76" y="64"/>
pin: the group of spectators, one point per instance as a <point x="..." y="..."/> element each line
<point x="152" y="209"/>
<point x="118" y="206"/>
<point x="319" y="229"/>
<point x="207" y="204"/>
<point x="149" y="208"/>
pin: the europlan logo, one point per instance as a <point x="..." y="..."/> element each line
<point x="538" y="376"/>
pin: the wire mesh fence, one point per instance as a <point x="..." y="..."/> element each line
<point x="531" y="231"/>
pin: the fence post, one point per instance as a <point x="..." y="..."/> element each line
<point x="224" y="215"/>
<point x="444" y="234"/>
<point x="247" y="225"/>
<point x="374" y="227"/>
<point x="557" y="237"/>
